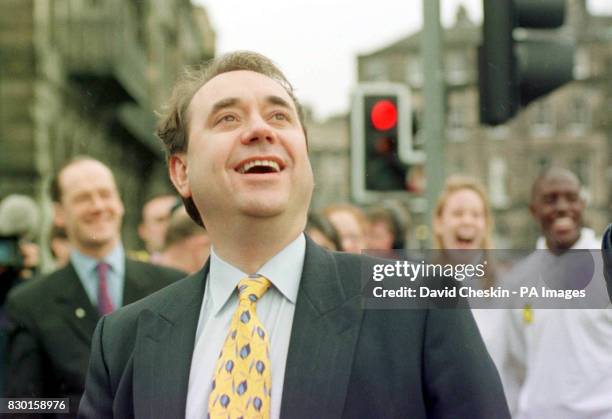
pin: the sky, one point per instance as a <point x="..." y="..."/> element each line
<point x="316" y="42"/>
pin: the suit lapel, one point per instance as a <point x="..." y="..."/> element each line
<point x="73" y="305"/>
<point x="76" y="308"/>
<point x="324" y="333"/>
<point x="164" y="348"/>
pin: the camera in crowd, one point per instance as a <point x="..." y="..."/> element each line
<point x="19" y="226"/>
<point x="11" y="257"/>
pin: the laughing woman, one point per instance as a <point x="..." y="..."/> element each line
<point x="462" y="225"/>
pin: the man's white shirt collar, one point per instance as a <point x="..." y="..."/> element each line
<point x="284" y="271"/>
<point x="586" y="241"/>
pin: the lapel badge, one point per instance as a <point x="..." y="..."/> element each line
<point x="79" y="312"/>
<point x="527" y="314"/>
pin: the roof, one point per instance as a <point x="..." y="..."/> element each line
<point x="468" y="33"/>
<point x="457" y="35"/>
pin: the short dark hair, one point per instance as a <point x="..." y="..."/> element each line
<point x="172" y="127"/>
<point x="552" y="172"/>
<point x="181" y="227"/>
<point x="318" y="222"/>
<point x="383" y="214"/>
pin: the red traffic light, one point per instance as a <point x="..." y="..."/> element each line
<point x="384" y="115"/>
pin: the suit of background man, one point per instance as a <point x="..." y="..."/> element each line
<point x="246" y="171"/>
<point x="559" y="361"/>
<point x="53" y="318"/>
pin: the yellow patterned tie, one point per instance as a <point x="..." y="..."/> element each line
<point x="241" y="387"/>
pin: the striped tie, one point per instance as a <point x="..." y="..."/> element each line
<point x="241" y="385"/>
<point x="105" y="304"/>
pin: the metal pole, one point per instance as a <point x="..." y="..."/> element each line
<point x="433" y="109"/>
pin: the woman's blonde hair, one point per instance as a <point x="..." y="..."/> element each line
<point x="457" y="183"/>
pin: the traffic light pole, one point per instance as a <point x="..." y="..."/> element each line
<point x="433" y="110"/>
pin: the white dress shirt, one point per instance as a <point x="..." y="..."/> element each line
<point x="86" y="269"/>
<point x="275" y="310"/>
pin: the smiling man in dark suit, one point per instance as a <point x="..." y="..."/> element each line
<point x="273" y="325"/>
<point x="53" y="318"/>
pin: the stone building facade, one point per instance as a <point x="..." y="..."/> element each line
<point x="84" y="77"/>
<point x="568" y="128"/>
<point x="328" y="145"/>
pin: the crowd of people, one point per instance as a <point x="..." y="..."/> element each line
<point x="238" y="221"/>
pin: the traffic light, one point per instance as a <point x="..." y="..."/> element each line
<point x="381" y="139"/>
<point x="517" y="66"/>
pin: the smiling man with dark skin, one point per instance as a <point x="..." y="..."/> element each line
<point x="237" y="154"/>
<point x="556" y="204"/>
<point x="558" y="360"/>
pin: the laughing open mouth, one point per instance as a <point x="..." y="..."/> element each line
<point x="464" y="239"/>
<point x="259" y="166"/>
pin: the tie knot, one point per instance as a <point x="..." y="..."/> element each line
<point x="102" y="269"/>
<point x="252" y="288"/>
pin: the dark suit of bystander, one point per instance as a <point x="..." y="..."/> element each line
<point x="51" y="324"/>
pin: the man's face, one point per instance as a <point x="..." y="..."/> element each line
<point x="247" y="151"/>
<point x="558" y="207"/>
<point x="155" y="218"/>
<point x="90" y="208"/>
<point x="351" y="232"/>
<point x="380" y="236"/>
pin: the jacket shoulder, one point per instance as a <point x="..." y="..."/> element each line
<point x="176" y="291"/>
<point x="38" y="287"/>
<point x="353" y="269"/>
<point x="156" y="271"/>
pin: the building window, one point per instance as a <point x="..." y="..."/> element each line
<point x="456" y="68"/>
<point x="579" y="115"/>
<point x="543" y="120"/>
<point x="457" y="122"/>
<point x="582" y="65"/>
<point x="498" y="182"/>
<point x="375" y="70"/>
<point x="414" y="72"/>
<point x="499" y="132"/>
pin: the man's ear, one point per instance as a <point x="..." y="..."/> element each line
<point x="177" y="168"/>
<point x="59" y="217"/>
<point x="532" y="211"/>
<point x="583" y="199"/>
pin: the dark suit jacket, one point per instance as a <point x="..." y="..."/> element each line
<point x="52" y="322"/>
<point x="343" y="361"/>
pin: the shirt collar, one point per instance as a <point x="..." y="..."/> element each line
<point x="586" y="240"/>
<point x="284" y="271"/>
<point x="85" y="264"/>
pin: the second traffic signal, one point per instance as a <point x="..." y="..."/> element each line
<point x="514" y="70"/>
